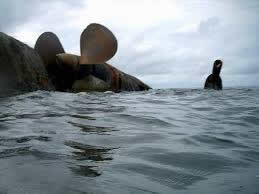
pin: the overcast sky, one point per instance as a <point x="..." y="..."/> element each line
<point x="166" y="43"/>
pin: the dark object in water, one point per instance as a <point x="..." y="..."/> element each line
<point x="21" y="68"/>
<point x="214" y="80"/>
<point x="87" y="72"/>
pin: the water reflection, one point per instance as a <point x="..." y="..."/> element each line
<point x="89" y="155"/>
<point x="88" y="171"/>
<point x="93" y="129"/>
<point x="88" y="152"/>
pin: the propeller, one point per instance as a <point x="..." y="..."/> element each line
<point x="97" y="45"/>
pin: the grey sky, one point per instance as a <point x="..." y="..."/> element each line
<point x="166" y="43"/>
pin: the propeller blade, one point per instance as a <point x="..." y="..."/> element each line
<point x="48" y="46"/>
<point x="98" y="44"/>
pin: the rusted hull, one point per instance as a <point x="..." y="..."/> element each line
<point x="21" y="68"/>
<point x="116" y="79"/>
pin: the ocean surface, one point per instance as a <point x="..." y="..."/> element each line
<point x="159" y="141"/>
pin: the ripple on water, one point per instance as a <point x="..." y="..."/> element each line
<point x="10" y="152"/>
<point x="249" y="155"/>
<point x="178" y="170"/>
<point x="143" y="120"/>
<point x="89" y="152"/>
<point x="87" y="171"/>
<point x="217" y="141"/>
<point x="162" y="141"/>
<point x="89" y="129"/>
<point x="89" y="155"/>
<point x="9" y="141"/>
<point x="168" y="177"/>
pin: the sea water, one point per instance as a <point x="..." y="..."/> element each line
<point x="157" y="141"/>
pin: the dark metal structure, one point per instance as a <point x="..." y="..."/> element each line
<point x="97" y="44"/>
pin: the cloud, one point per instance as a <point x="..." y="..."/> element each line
<point x="166" y="43"/>
<point x="18" y="12"/>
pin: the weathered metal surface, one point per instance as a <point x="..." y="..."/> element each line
<point x="68" y="61"/>
<point x="90" y="83"/>
<point x="21" y="68"/>
<point x="98" y="44"/>
<point x="116" y="79"/>
<point x="48" y="46"/>
<point x="88" y="71"/>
